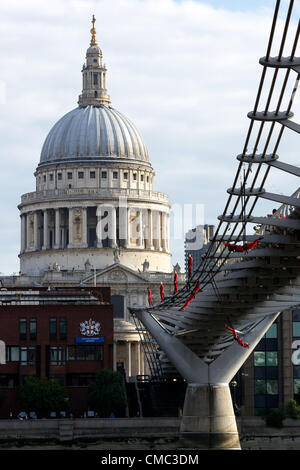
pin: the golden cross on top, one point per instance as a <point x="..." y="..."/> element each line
<point x="93" y="31"/>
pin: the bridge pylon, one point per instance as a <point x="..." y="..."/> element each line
<point x="208" y="420"/>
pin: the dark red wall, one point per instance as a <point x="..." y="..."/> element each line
<point x="75" y="314"/>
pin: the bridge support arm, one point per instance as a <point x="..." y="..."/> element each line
<point x="224" y="368"/>
<point x="188" y="364"/>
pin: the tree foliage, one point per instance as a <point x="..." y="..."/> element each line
<point x="42" y="396"/>
<point x="275" y="417"/>
<point x="292" y="409"/>
<point x="106" y="393"/>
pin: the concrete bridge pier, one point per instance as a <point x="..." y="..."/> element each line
<point x="208" y="420"/>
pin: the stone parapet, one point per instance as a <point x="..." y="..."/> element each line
<point x="70" y="429"/>
<point x="95" y="193"/>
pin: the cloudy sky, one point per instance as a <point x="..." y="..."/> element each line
<point x="184" y="71"/>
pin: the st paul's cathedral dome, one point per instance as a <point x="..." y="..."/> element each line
<point x="94" y="129"/>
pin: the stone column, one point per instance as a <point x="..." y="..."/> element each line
<point x="138" y="346"/>
<point x="57" y="243"/>
<point x="157" y="230"/>
<point x="84" y="227"/>
<point x="46" y="231"/>
<point x="23" y="233"/>
<point x="149" y="240"/>
<point x="127" y="241"/>
<point x="123" y="221"/>
<point x="30" y="231"/>
<point x="112" y="230"/>
<point x="140" y="235"/>
<point x="143" y="359"/>
<point x="128" y="358"/>
<point x="99" y="227"/>
<point x="167" y="231"/>
<point x="70" y="245"/>
<point x="27" y="231"/>
<point x="163" y="231"/>
<point x="36" y="231"/>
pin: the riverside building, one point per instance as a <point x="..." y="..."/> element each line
<point x="59" y="333"/>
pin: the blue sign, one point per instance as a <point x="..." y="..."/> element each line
<point x="89" y="339"/>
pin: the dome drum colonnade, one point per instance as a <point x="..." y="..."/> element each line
<point x="94" y="189"/>
<point x="129" y="226"/>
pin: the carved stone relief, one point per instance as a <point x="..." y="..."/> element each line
<point x="117" y="275"/>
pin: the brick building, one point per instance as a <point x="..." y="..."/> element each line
<point x="66" y="334"/>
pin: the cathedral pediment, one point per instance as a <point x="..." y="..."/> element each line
<point x="116" y="273"/>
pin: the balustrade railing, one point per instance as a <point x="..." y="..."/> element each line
<point x="105" y="193"/>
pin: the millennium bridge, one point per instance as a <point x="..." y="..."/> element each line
<point x="250" y="272"/>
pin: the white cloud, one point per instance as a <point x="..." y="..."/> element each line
<point x="184" y="73"/>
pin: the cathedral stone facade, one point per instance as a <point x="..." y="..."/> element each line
<point x="94" y="218"/>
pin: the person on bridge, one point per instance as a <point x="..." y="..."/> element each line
<point x="236" y="338"/>
<point x="250" y="246"/>
<point x="162" y="292"/>
<point x="233" y="247"/>
<point x="175" y="282"/>
<point x="149" y="296"/>
<point x="192" y="296"/>
<point x="190" y="265"/>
